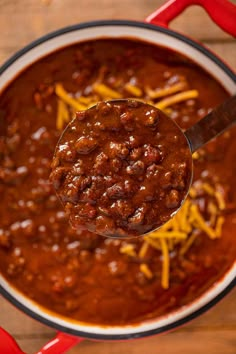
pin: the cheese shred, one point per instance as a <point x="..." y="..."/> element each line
<point x="208" y="189"/>
<point x="133" y="90"/>
<point x="63" y="116"/>
<point x="220" y="200"/>
<point x="61" y="92"/>
<point x="106" y="92"/>
<point x="196" y="216"/>
<point x="143" y="250"/>
<point x="128" y="249"/>
<point x="154" y="94"/>
<point x="179" y="97"/>
<point x="219" y="223"/>
<point x="146" y="270"/>
<point x="168" y="234"/>
<point x="166" y="264"/>
<point x="187" y="244"/>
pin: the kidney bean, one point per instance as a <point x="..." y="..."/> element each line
<point x="104" y="225"/>
<point x="78" y="168"/>
<point x="136" y="153"/>
<point x="81" y="115"/>
<point x="118" y="150"/>
<point x="151" y="118"/>
<point x="154" y="170"/>
<point x="101" y="163"/>
<point x="57" y="176"/>
<point x="85" y="145"/>
<point x="151" y="154"/>
<point x="127" y="118"/>
<point x="116" y="191"/>
<point x="87" y="211"/>
<point x="138" y="217"/>
<point x="166" y="180"/>
<point x="71" y="194"/>
<point x="104" y="108"/>
<point x="173" y="199"/>
<point x="67" y="154"/>
<point x="136" y="169"/>
<point x="122" y="208"/>
<point x="5" y="241"/>
<point x="116" y="164"/>
<point x="82" y="182"/>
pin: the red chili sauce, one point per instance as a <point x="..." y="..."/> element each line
<point x="79" y="274"/>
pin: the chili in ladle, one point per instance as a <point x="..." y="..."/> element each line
<point x="123" y="168"/>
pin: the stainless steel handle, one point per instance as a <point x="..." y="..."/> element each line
<point x="212" y="124"/>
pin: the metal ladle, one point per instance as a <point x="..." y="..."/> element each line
<point x="212" y="125"/>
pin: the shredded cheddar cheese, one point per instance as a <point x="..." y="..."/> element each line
<point x="166" y="264"/>
<point x="183" y="217"/>
<point x="61" y="92"/>
<point x="195" y="155"/>
<point x="175" y="224"/>
<point x="185" y="247"/>
<point x="196" y="216"/>
<point x="154" y="94"/>
<point x="128" y="249"/>
<point x="219" y="223"/>
<point x="63" y="116"/>
<point x="179" y="97"/>
<point x="208" y="189"/>
<point x="154" y="243"/>
<point x="133" y="90"/>
<point x="143" y="250"/>
<point x="106" y="92"/>
<point x="220" y="200"/>
<point x="212" y="209"/>
<point x="168" y="234"/>
<point x="146" y="270"/>
<point x="192" y="193"/>
<point x="84" y="100"/>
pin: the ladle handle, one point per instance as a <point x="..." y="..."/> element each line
<point x="212" y="124"/>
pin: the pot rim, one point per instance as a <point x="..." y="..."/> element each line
<point x="130" y="23"/>
<point x="139" y="333"/>
<point x="113" y="337"/>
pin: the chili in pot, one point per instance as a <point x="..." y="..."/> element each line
<point x="78" y="274"/>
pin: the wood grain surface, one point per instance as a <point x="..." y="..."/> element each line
<point x="22" y="21"/>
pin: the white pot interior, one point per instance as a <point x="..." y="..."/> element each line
<point x="156" y="37"/>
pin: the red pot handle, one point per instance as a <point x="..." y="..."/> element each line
<point x="8" y="345"/>
<point x="222" y="12"/>
<point x="60" y="344"/>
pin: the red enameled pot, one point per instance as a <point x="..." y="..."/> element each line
<point x="155" y="30"/>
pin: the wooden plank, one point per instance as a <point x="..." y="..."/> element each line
<point x="224" y="313"/>
<point x="41" y="19"/>
<point x="226" y="51"/>
<point x="222" y="342"/>
<point x="219" y="322"/>
<point x="17" y="322"/>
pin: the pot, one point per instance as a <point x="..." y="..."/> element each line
<point x="155" y="30"/>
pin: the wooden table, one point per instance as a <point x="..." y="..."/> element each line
<point x="25" y="20"/>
